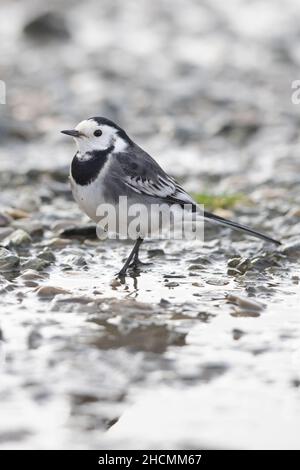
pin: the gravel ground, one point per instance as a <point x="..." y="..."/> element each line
<point x="201" y="349"/>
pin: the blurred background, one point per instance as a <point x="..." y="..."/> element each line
<point x="202" y="84"/>
<point x="206" y="88"/>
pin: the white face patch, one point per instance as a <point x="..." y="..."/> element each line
<point x="89" y="142"/>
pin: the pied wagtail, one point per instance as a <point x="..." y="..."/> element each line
<point x="108" y="164"/>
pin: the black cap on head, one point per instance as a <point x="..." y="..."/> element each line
<point x="107" y="122"/>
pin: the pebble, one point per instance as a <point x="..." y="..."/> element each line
<point x="8" y="260"/>
<point x="37" y="264"/>
<point x="51" y="291"/>
<point x="171" y="284"/>
<point x="31" y="274"/>
<point x="30" y="226"/>
<point x="196" y="267"/>
<point x="294" y="212"/>
<point x="47" y="26"/>
<point x="5" y="219"/>
<point x="115" y="283"/>
<point x="69" y="304"/>
<point x="156" y="253"/>
<point x="201" y="260"/>
<point x="237" y="334"/>
<point x="78" y="299"/>
<point x="17" y="213"/>
<point x="58" y="242"/>
<point x="245" y="302"/>
<point x="245" y="313"/>
<point x="240" y="265"/>
<point x="233" y="272"/>
<point x="292" y="248"/>
<point x="47" y="255"/>
<point x="5" y="232"/>
<point x="16" y="239"/>
<point x="233" y="262"/>
<point x="29" y="202"/>
<point x="86" y="231"/>
<point x="215" y="281"/>
<point x="61" y="225"/>
<point x="34" y="339"/>
<point x="197" y="284"/>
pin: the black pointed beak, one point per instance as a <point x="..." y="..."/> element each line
<point x="72" y="133"/>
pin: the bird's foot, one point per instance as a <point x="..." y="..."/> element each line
<point x="134" y="268"/>
<point x="134" y="272"/>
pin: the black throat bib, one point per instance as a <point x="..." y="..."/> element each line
<point x="85" y="172"/>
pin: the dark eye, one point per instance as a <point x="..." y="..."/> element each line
<point x="97" y="133"/>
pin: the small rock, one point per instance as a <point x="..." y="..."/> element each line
<point x="47" y="26"/>
<point x="8" y="260"/>
<point x="30" y="226"/>
<point x="174" y="276"/>
<point x="244" y="313"/>
<point x="203" y="261"/>
<point x="294" y="212"/>
<point x="51" y="291"/>
<point x="164" y="302"/>
<point x="17" y="213"/>
<point x="245" y="302"/>
<point x="296" y="383"/>
<point x="58" y="242"/>
<point x="18" y="238"/>
<point x="47" y="255"/>
<point x="291" y="248"/>
<point x="171" y="284"/>
<point x="233" y="272"/>
<point x="5" y="232"/>
<point x="237" y="334"/>
<point x="115" y="283"/>
<point x="34" y="339"/>
<point x="31" y="275"/>
<point x="233" y="262"/>
<point x="79" y="261"/>
<point x="239" y="265"/>
<point x="37" y="264"/>
<point x="5" y="219"/>
<point x="86" y="231"/>
<point x="31" y="283"/>
<point x="156" y="253"/>
<point x="60" y="225"/>
<point x="215" y="281"/>
<point x="69" y="304"/>
<point x="78" y="299"/>
<point x="196" y="267"/>
<point x="29" y="202"/>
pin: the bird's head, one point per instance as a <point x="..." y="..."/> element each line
<point x="98" y="133"/>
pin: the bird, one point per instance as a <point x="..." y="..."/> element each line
<point x="108" y="164"/>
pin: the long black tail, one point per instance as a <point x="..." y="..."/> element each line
<point x="242" y="228"/>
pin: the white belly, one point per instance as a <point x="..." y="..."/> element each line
<point x="88" y="197"/>
<point x="131" y="221"/>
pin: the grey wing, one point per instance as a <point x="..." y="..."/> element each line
<point x="135" y="174"/>
<point x="139" y="175"/>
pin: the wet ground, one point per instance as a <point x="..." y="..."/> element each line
<point x="202" y="348"/>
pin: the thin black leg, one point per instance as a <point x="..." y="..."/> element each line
<point x="134" y="254"/>
<point x="136" y="260"/>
